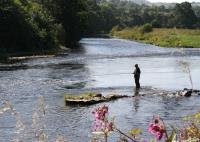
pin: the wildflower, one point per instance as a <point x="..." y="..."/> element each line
<point x="110" y="126"/>
<point x="157" y="128"/>
<point x="101" y="123"/>
<point x="100" y="113"/>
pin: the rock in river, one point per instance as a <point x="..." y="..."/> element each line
<point x="91" y="98"/>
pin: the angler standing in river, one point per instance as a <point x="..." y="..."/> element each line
<point x="137" y="73"/>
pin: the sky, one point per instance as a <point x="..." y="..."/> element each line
<point x="175" y="1"/>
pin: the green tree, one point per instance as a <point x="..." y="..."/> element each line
<point x="71" y="14"/>
<point x="25" y="26"/>
<point x="107" y="16"/>
<point x="184" y="15"/>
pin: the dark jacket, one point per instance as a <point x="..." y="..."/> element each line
<point x="137" y="72"/>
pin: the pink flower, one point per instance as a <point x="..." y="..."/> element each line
<point x="156" y="130"/>
<point x="100" y="113"/>
<point x="101" y="122"/>
<point x="97" y="115"/>
<point x="110" y="126"/>
<point x="159" y="135"/>
<point x="97" y="126"/>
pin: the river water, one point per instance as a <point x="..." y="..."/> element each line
<point x="99" y="65"/>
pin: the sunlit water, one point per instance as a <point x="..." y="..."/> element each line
<point x="104" y="66"/>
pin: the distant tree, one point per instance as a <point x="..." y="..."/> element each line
<point x="155" y="23"/>
<point x="184" y="15"/>
<point x="107" y="15"/>
<point x="93" y="19"/>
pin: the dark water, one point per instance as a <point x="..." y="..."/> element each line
<point x="99" y="65"/>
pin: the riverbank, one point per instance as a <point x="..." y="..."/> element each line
<point x="33" y="54"/>
<point x="186" y="38"/>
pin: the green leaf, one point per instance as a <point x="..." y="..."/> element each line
<point x="135" y="132"/>
<point x="172" y="137"/>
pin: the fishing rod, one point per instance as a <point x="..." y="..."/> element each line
<point x="132" y="73"/>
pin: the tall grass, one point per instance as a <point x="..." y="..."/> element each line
<point x="162" y="37"/>
<point x="38" y="122"/>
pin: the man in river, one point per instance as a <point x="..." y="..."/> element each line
<point x="137" y="76"/>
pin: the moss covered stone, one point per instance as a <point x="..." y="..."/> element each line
<point x="90" y="98"/>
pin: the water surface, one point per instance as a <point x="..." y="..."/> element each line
<point x="104" y="66"/>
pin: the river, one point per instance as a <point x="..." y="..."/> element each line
<point x="99" y="65"/>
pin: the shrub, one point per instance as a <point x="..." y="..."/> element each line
<point x="146" y="28"/>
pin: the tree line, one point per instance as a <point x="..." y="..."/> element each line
<point x="42" y="25"/>
<point x="129" y="14"/>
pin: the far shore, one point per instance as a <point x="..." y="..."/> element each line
<point x="163" y="37"/>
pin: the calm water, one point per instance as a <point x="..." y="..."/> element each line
<point x="99" y="65"/>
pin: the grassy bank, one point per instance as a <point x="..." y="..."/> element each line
<point x="162" y="37"/>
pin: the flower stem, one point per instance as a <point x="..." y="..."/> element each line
<point x="106" y="137"/>
<point x="125" y="135"/>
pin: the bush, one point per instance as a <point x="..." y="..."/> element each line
<point x="147" y="28"/>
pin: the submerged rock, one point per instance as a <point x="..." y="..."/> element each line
<point x="188" y="92"/>
<point x="91" y="98"/>
<point x="76" y="85"/>
<point x="185" y="92"/>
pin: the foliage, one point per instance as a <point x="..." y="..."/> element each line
<point x="43" y="25"/>
<point x="190" y="130"/>
<point x="135" y="132"/>
<point x="184" y="15"/>
<point x="129" y="14"/>
<point x="147" y="28"/>
<point x="172" y="136"/>
<point x="117" y="28"/>
<point x="25" y="26"/>
<point x="71" y="14"/>
<point x="40" y="26"/>
<point x="155" y="24"/>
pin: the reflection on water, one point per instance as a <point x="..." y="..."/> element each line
<point x="104" y="66"/>
<point x="136" y="99"/>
